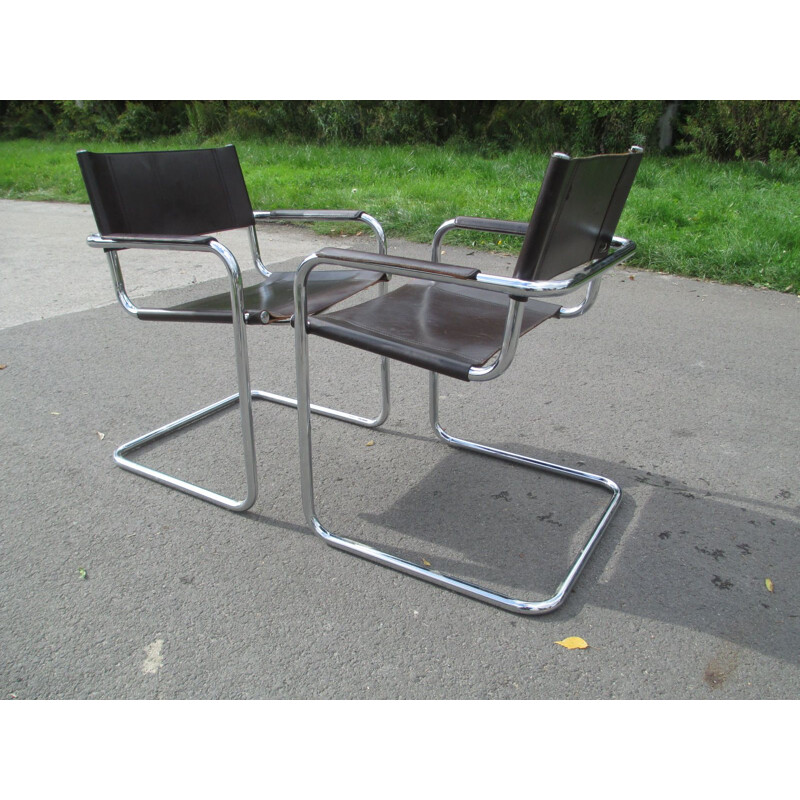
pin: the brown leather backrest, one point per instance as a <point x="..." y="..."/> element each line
<point x="167" y="193"/>
<point x="577" y="211"/>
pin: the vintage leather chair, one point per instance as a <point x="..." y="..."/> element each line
<point x="177" y="200"/>
<point x="456" y="321"/>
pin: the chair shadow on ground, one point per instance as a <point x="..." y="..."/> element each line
<point x="684" y="555"/>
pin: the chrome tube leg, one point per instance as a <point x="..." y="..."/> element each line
<point x="343" y="416"/>
<point x="245" y="393"/>
<point x="546" y="466"/>
<point x="244" y="397"/>
<point x="485" y="595"/>
<point x="304" y="406"/>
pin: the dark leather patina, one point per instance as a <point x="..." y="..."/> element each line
<point x="192" y="194"/>
<point x="437" y="326"/>
<point x="449" y="328"/>
<point x="576" y="213"/>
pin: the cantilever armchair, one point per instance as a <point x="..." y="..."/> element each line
<point x="456" y="321"/>
<point x="176" y="201"/>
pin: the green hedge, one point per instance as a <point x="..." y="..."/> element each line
<point x="719" y="129"/>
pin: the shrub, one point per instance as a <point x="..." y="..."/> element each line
<point x="21" y="119"/>
<point x="742" y="129"/>
<point x="207" y="117"/>
<point x="719" y="129"/>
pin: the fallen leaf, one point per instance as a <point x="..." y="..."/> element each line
<point x="425" y="562"/>
<point x="370" y="443"/>
<point x="573" y="643"/>
<point x="56" y="413"/>
<point x="82" y="573"/>
<point x="3" y="366"/>
<point x="770" y="585"/>
<point x="100" y="435"/>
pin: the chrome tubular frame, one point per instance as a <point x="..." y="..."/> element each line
<point x="513" y="288"/>
<point x="310" y="216"/>
<point x="245" y="394"/>
<point x="380" y="237"/>
<point x="551" y="603"/>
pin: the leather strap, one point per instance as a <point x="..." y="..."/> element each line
<point x="375" y="260"/>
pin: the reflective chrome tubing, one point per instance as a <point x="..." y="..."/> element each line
<point x="245" y="394"/>
<point x="554" y="288"/>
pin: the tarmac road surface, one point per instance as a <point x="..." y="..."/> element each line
<point x="685" y="392"/>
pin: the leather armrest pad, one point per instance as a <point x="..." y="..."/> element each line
<point x="283" y="213"/>
<point x="492" y="225"/>
<point x="377" y="261"/>
<point x="137" y="238"/>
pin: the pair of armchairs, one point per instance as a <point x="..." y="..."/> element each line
<point x="447" y="319"/>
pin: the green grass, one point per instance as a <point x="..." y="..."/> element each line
<point x="736" y="222"/>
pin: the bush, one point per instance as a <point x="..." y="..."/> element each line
<point x="207" y="117"/>
<point x="26" y="119"/>
<point x="719" y="129"/>
<point x="271" y="119"/>
<point x="742" y="129"/>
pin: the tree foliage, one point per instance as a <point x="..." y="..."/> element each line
<point x="720" y="129"/>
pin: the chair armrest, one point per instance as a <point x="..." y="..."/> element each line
<point x="411" y="267"/>
<point x="585" y="276"/>
<point x="343" y="215"/>
<point x="320" y="214"/>
<point x="505" y="227"/>
<point x="125" y="241"/>
<point x="112" y="244"/>
<point x="508" y="227"/>
<point x="451" y="273"/>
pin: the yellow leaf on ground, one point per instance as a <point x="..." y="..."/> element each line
<point x="370" y="443"/>
<point x="573" y="643"/>
<point x="426" y="562"/>
<point x="770" y="585"/>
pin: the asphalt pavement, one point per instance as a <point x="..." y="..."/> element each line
<point x="683" y="391"/>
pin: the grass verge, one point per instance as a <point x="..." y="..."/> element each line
<point x="736" y="222"/>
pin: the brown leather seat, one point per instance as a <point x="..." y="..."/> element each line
<point x="437" y="326"/>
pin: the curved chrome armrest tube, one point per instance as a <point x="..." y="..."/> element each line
<point x="311" y="215"/>
<point x="506" y="227"/>
<point x="557" y="288"/>
<point x="203" y="244"/>
<point x="493" y="283"/>
<point x="189" y="243"/>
